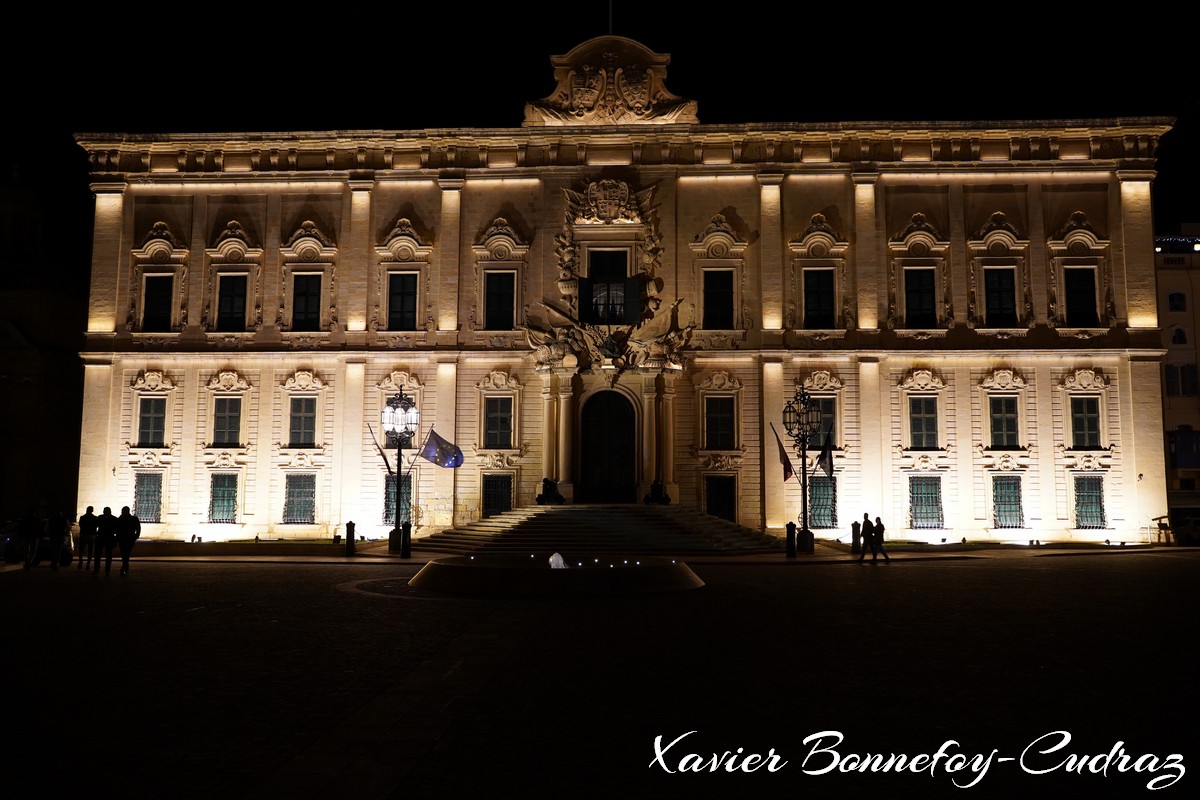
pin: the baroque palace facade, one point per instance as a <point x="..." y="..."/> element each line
<point x="620" y="300"/>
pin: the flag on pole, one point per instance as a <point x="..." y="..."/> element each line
<point x="825" y="460"/>
<point x="380" y="449"/>
<point x="788" y="472"/>
<point x="441" y="452"/>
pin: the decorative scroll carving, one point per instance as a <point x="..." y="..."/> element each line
<point x="398" y="380"/>
<point x="1087" y="460"/>
<point x="1084" y="380"/>
<point x="922" y="380"/>
<point x="161" y="253"/>
<point x="721" y="381"/>
<point x="152" y="381"/>
<point x="497" y="379"/>
<point x="303" y="380"/>
<point x="610" y="80"/>
<point x="227" y="381"/>
<point x="821" y="380"/>
<point x="1002" y="379"/>
<point x="1005" y="460"/>
<point x="924" y="460"/>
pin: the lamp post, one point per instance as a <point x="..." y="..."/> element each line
<point x="400" y="419"/>
<point x="801" y="419"/>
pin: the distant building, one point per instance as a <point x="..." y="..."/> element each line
<point x="1177" y="259"/>
<point x="620" y="300"/>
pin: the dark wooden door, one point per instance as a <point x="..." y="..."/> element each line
<point x="608" y="469"/>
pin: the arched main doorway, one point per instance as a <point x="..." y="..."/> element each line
<point x="608" y="455"/>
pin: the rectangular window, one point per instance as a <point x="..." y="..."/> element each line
<point x="609" y="295"/>
<point x="822" y="501"/>
<point x="306" y="302"/>
<point x="156" y="303"/>
<point x="402" y="301"/>
<point x="300" y="499"/>
<point x="227" y="421"/>
<point x="923" y="423"/>
<point x="231" y="303"/>
<point x="1176" y="301"/>
<point x="1006" y="502"/>
<point x="818" y="299"/>
<point x="389" y="499"/>
<point x="1089" y="501"/>
<point x="1181" y="380"/>
<point x="222" y="498"/>
<point x="152" y="420"/>
<point x="1000" y="297"/>
<point x="1004" y="423"/>
<point x="497" y="423"/>
<point x="303" y="422"/>
<point x="828" y="426"/>
<point x="499" y="300"/>
<point x="147" y="496"/>
<point x="718" y="423"/>
<point x="920" y="306"/>
<point x="925" y="502"/>
<point x="1085" y="423"/>
<point x="1080" y="289"/>
<point x="718" y="299"/>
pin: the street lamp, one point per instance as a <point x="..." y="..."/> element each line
<point x="801" y="419"/>
<point x="400" y="419"/>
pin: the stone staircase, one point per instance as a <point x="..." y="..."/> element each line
<point x="602" y="530"/>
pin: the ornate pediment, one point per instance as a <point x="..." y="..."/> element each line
<point x="152" y="380"/>
<point x="308" y="244"/>
<point x="1084" y="380"/>
<point x="498" y="379"/>
<point x="821" y="380"/>
<point x="922" y="380"/>
<point x="303" y="380"/>
<point x="610" y="80"/>
<point x="228" y="380"/>
<point x="403" y="244"/>
<point x="1002" y="379"/>
<point x="399" y="380"/>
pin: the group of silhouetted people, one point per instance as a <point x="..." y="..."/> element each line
<point x="871" y="535"/>
<point x="98" y="535"/>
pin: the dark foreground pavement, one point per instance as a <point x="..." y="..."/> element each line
<point x="336" y="680"/>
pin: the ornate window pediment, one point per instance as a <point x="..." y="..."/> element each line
<point x="234" y="258"/>
<point x="919" y="297"/>
<point x="1085" y="423"/>
<point x="923" y="425"/>
<point x="500" y="282"/>
<point x="499" y="430"/>
<point x="998" y="294"/>
<point x="303" y="380"/>
<point x="228" y="380"/>
<point x="403" y="281"/>
<point x="158" y="286"/>
<point x="819" y="295"/>
<point x="308" y="254"/>
<point x="719" y="273"/>
<point x="1081" y="281"/>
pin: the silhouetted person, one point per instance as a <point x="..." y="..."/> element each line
<point x="855" y="537"/>
<point x="87" y="538"/>
<point x="129" y="528"/>
<point x="58" y="528"/>
<point x="868" y="536"/>
<point x="30" y="531"/>
<point x="877" y="541"/>
<point x="106" y="537"/>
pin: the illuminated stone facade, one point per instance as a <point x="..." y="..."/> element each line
<point x="620" y="299"/>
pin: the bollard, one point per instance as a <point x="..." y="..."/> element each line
<point x="350" y="538"/>
<point x="791" y="540"/>
<point x="406" y="540"/>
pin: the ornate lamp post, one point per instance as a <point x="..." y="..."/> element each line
<point x="400" y="419"/>
<point x="801" y="419"/>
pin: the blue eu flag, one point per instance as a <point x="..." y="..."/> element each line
<point x="440" y="452"/>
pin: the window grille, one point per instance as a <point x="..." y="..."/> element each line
<point x="1006" y="502"/>
<point x="147" y="496"/>
<point x="497" y="494"/>
<point x="925" y="502"/>
<point x="222" y="499"/>
<point x="1089" y="502"/>
<point x="300" y="500"/>
<point x="822" y="501"/>
<point x="389" y="499"/>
